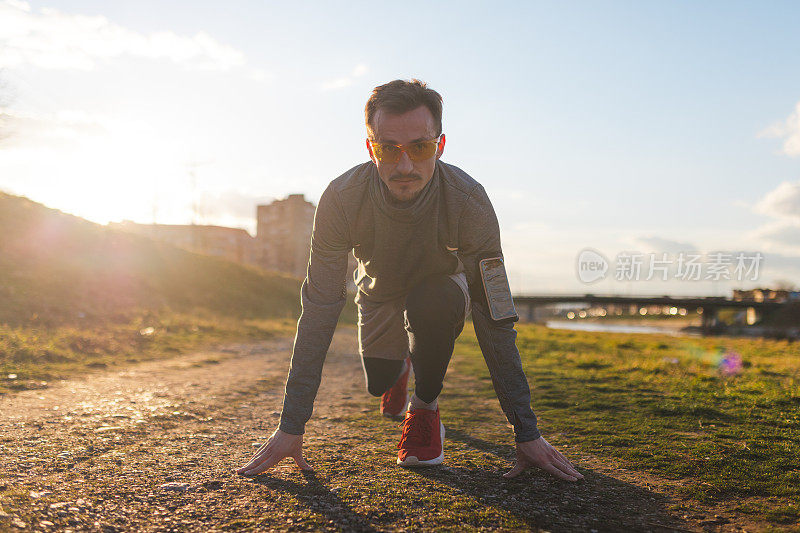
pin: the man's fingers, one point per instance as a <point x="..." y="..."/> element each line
<point x="573" y="471"/>
<point x="514" y="472"/>
<point x="556" y="457"/>
<point x="556" y="468"/>
<point x="256" y="460"/>
<point x="567" y="469"/>
<point x="267" y="463"/>
<point x="558" y="473"/>
<point x="563" y="459"/>
<point x="570" y="468"/>
<point x="257" y="457"/>
<point x="253" y="462"/>
<point x="302" y="463"/>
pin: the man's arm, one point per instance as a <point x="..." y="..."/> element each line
<point x="322" y="296"/>
<point x="480" y="238"/>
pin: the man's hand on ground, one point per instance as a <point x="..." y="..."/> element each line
<point x="279" y="446"/>
<point x="540" y="453"/>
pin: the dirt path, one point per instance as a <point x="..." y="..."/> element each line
<point x="153" y="448"/>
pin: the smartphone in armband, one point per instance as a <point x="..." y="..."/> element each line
<point x="497" y="290"/>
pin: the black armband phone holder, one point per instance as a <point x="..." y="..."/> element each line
<point x="496" y="290"/>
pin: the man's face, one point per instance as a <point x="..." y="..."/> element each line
<point x="405" y="178"/>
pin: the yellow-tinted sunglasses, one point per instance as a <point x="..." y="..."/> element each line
<point x="418" y="151"/>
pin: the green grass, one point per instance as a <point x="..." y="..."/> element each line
<point x="34" y="357"/>
<point x="37" y="356"/>
<point x="76" y="296"/>
<point x="58" y="269"/>
<point x="662" y="405"/>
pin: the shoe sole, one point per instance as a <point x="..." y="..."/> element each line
<point x="401" y="413"/>
<point x="413" y="461"/>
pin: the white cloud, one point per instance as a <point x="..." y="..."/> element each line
<point x="50" y="39"/>
<point x="789" y="131"/>
<point x="782" y="202"/>
<point x="654" y="243"/>
<point x="785" y="265"/>
<point x="782" y="206"/>
<point x="782" y="235"/>
<point x="338" y="83"/>
<point x="345" y="81"/>
<point x="60" y="128"/>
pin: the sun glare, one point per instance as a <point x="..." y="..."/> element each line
<point x="122" y="170"/>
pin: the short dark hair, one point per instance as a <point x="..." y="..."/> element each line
<point x="401" y="96"/>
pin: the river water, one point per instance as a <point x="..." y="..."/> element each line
<point x="581" y="325"/>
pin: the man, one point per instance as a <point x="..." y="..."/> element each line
<point x="428" y="247"/>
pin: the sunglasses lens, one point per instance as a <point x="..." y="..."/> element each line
<point x="386" y="153"/>
<point x="389" y="153"/>
<point x="421" y="151"/>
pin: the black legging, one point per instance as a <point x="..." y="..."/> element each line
<point x="434" y="317"/>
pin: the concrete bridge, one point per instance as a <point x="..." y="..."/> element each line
<point x="528" y="305"/>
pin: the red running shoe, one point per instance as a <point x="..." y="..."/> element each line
<point x="395" y="400"/>
<point x="421" y="442"/>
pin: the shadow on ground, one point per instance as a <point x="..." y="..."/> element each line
<point x="596" y="502"/>
<point x="320" y="499"/>
<point x="535" y="498"/>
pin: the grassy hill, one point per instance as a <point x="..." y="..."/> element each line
<point x="57" y="268"/>
<point x="75" y="295"/>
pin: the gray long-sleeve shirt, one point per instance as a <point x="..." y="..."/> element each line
<point x="449" y="227"/>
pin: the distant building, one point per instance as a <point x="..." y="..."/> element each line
<point x="283" y="234"/>
<point x="764" y="295"/>
<point x="283" y="237"/>
<point x="282" y="242"/>
<point x="233" y="244"/>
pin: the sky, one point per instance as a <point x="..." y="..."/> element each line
<point x="625" y="128"/>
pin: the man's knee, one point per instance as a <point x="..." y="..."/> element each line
<point x="377" y="389"/>
<point x="381" y="374"/>
<point x="437" y="299"/>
